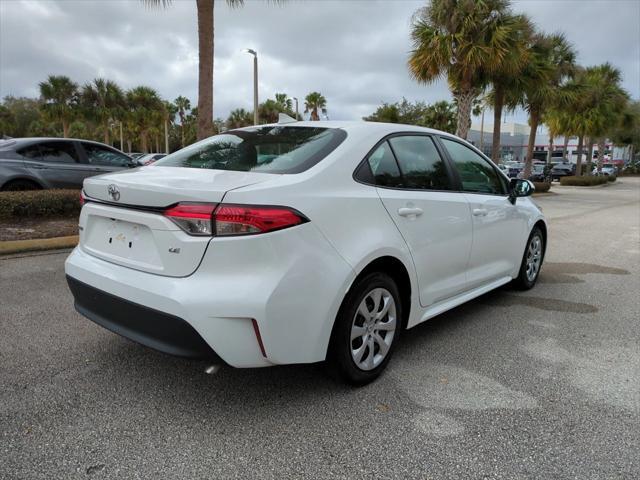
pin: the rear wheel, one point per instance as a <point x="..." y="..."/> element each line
<point x="366" y="329"/>
<point x="531" y="261"/>
<point x="15" y="185"/>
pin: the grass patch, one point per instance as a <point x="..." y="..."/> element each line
<point x="40" y="203"/>
<point x="584" y="181"/>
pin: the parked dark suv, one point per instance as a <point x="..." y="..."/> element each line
<point x="34" y="163"/>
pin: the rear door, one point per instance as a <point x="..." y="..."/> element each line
<point x="498" y="226"/>
<point x="56" y="162"/>
<point x="415" y="185"/>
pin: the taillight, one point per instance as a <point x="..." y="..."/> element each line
<point x="224" y="219"/>
<point x="193" y="218"/>
<point x="82" y="198"/>
<point x="249" y="219"/>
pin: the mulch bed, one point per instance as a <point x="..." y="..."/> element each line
<point x="29" y="228"/>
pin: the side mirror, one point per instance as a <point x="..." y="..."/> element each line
<point x="520" y="188"/>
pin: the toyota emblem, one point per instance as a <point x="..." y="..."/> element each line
<point x="113" y="192"/>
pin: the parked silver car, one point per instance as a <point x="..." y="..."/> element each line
<point x="34" y="163"/>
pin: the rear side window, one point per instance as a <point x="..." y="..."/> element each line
<point x="384" y="167"/>
<point x="32" y="152"/>
<point x="99" y="155"/>
<point x="476" y="173"/>
<point x="273" y="149"/>
<point x="420" y="163"/>
<point x="58" y="152"/>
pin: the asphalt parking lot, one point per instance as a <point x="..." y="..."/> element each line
<point x="543" y="384"/>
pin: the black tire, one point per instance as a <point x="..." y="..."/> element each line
<point x="339" y="356"/>
<point x="17" y="185"/>
<point x="524" y="281"/>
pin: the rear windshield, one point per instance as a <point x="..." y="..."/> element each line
<point x="271" y="149"/>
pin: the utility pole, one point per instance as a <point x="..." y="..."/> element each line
<point x="166" y="136"/>
<point x="121" y="138"/>
<point x="255" y="83"/>
<point x="482" y="131"/>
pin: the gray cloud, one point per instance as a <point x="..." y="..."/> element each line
<point x="354" y="52"/>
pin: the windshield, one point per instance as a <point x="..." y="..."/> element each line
<point x="272" y="149"/>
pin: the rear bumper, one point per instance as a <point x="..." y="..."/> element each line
<point x="155" y="329"/>
<point x="289" y="284"/>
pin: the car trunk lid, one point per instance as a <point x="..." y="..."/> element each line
<point x="123" y="221"/>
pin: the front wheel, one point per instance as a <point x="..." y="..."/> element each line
<point x="531" y="261"/>
<point x="366" y="330"/>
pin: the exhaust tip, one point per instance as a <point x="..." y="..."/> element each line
<point x="212" y="369"/>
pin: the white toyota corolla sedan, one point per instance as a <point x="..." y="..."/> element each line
<point x="301" y="242"/>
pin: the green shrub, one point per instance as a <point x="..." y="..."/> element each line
<point x="40" y="203"/>
<point x="542" y="187"/>
<point x="611" y="178"/>
<point x="584" y="181"/>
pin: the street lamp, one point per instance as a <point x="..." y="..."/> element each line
<point x="255" y="83"/>
<point x="297" y="115"/>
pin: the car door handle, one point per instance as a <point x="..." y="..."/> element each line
<point x="480" y="212"/>
<point x="409" y="211"/>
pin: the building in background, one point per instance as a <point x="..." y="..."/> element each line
<point x="514" y="139"/>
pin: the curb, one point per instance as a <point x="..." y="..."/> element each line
<point x="19" y="246"/>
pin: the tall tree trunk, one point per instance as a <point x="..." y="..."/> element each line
<point x="129" y="146"/>
<point x="534" y="120"/>
<point x="65" y="128"/>
<point x="497" y="123"/>
<point x="205" y="68"/>
<point x="565" y="146"/>
<point x="465" y="100"/>
<point x="601" y="147"/>
<point x="106" y="133"/>
<point x="589" y="155"/>
<point x="157" y="143"/>
<point x="182" y="134"/>
<point x="314" y="114"/>
<point x="143" y="140"/>
<point x="579" y="159"/>
<point x="550" y="152"/>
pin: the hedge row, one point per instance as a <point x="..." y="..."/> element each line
<point x="586" y="180"/>
<point x="40" y="203"/>
<point x="542" y="187"/>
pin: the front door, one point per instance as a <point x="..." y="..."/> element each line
<point x="497" y="223"/>
<point x="415" y="186"/>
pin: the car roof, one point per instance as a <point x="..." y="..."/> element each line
<point x="22" y="141"/>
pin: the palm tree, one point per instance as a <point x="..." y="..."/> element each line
<point x="103" y="101"/>
<point x="239" y="118"/>
<point x="60" y="96"/>
<point x="464" y="40"/>
<point x="205" y="59"/>
<point x="285" y="103"/>
<point x="183" y="105"/>
<point x="518" y="31"/>
<point x="145" y="112"/>
<point x="313" y="102"/>
<point x="606" y="104"/>
<point x="543" y="83"/>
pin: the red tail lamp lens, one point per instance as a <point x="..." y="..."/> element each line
<point x="248" y="220"/>
<point x="193" y="218"/>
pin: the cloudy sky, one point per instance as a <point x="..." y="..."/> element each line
<point x="353" y="51"/>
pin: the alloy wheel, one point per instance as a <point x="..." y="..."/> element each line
<point x="373" y="329"/>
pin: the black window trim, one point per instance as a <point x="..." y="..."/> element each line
<point x="440" y="149"/>
<point x="458" y="181"/>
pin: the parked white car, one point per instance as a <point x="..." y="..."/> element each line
<point x="300" y="242"/>
<point x="607" y="169"/>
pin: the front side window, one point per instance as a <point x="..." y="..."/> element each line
<point x="420" y="163"/>
<point x="99" y="155"/>
<point x="476" y="174"/>
<point x="58" y="152"/>
<point x="278" y="149"/>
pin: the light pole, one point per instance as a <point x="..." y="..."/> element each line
<point x="297" y="114"/>
<point x="255" y="83"/>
